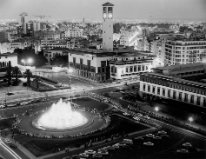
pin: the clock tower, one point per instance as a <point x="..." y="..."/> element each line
<point x="107" y="26"/>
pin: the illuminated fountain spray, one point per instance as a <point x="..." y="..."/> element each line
<point x="60" y="116"/>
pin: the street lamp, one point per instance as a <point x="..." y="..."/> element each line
<point x="69" y="71"/>
<point x="156" y="109"/>
<point x="29" y="61"/>
<point x="190" y="119"/>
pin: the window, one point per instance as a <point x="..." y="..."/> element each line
<point x="174" y="94"/>
<point x="74" y="61"/>
<point x="169" y="93"/>
<point x="144" y="86"/>
<point x="127" y="69"/>
<point x="163" y="91"/>
<point x="81" y="61"/>
<point x="148" y="88"/>
<point x="204" y="102"/>
<point x="186" y="97"/>
<point x="153" y="89"/>
<point x="158" y="90"/>
<point x="192" y="99"/>
<point x="88" y="63"/>
<point x="198" y="100"/>
<point x="135" y="68"/>
<point x="131" y="68"/>
<point x="180" y="96"/>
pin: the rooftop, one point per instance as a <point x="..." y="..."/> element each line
<point x="8" y="54"/>
<point x="122" y="52"/>
<point x="182" y="67"/>
<point x="177" y="80"/>
<point x="107" y="4"/>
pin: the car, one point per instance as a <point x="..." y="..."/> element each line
<point x="162" y="132"/>
<point x="139" y="114"/>
<point x="187" y="144"/>
<point x="7" y="140"/>
<point x="116" y="146"/>
<point x="12" y="145"/>
<point x="127" y="141"/>
<point x="85" y="155"/>
<point x="2" y="106"/>
<point x="136" y="118"/>
<point x="149" y="143"/>
<point x="147" y="117"/>
<point x="97" y="155"/>
<point x="157" y="137"/>
<point x="182" y="151"/>
<point x="126" y="114"/>
<point x="90" y="152"/>
<point x="150" y="135"/>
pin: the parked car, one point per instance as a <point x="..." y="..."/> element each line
<point x="149" y="143"/>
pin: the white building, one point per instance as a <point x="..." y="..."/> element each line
<point x="168" y="83"/>
<point x="50" y="54"/>
<point x="130" y="66"/>
<point x="11" y="46"/>
<point x="74" y="33"/>
<point x="184" y="51"/>
<point x="36" y="26"/>
<point x="6" y="58"/>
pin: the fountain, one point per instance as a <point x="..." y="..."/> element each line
<point x="60" y="116"/>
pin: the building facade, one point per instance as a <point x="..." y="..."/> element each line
<point x="184" y="52"/>
<point x="7" y="58"/>
<point x="184" y="83"/>
<point x="130" y="66"/>
<point x="90" y="64"/>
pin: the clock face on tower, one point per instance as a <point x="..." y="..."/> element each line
<point x="110" y="15"/>
<point x="104" y="15"/>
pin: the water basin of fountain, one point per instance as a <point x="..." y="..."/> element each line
<point x="60" y="116"/>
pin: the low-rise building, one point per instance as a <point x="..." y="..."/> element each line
<point x="172" y="83"/>
<point x="6" y="58"/>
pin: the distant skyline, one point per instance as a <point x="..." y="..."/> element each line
<point x="91" y="9"/>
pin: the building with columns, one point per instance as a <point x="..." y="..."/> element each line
<point x="175" y="84"/>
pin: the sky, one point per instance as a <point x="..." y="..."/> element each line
<point x="91" y="9"/>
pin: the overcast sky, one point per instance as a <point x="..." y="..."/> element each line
<point x="91" y="9"/>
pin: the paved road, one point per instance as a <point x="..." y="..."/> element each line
<point x="7" y="152"/>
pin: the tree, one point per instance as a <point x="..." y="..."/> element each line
<point x="28" y="76"/>
<point x="15" y="73"/>
<point x="9" y="73"/>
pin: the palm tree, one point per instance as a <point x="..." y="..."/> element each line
<point x="9" y="73"/>
<point x="15" y="73"/>
<point x="28" y="75"/>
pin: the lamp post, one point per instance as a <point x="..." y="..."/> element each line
<point x="190" y="119"/>
<point x="26" y="62"/>
<point x="70" y="70"/>
<point x="157" y="109"/>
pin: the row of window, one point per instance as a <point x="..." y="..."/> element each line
<point x="174" y="84"/>
<point x="184" y="97"/>
<point x="136" y="68"/>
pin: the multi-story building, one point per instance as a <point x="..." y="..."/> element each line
<point x="74" y="33"/>
<point x="6" y="58"/>
<point x="130" y="65"/>
<point x="168" y="83"/>
<point x="4" y="36"/>
<point x="50" y="54"/>
<point x="184" y="51"/>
